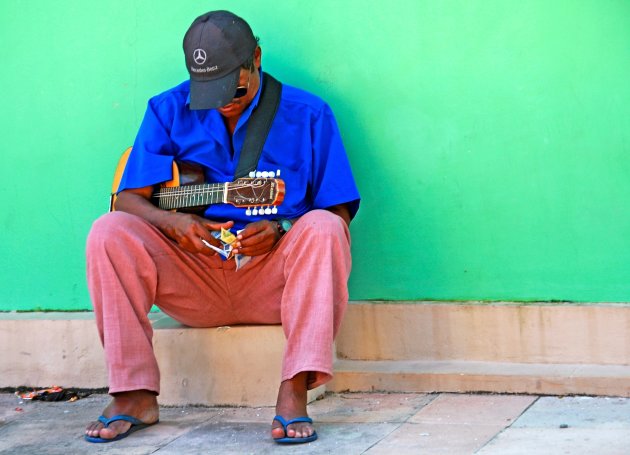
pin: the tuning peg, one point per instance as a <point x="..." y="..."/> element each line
<point x="272" y="174"/>
<point x="274" y="210"/>
<point x="248" y="212"/>
<point x="252" y="174"/>
<point x="258" y="174"/>
<point x="255" y="211"/>
<point x="278" y="173"/>
<point x="267" y="211"/>
<point x="264" y="174"/>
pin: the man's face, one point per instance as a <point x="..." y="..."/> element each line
<point x="249" y="79"/>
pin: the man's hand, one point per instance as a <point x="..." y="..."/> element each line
<point x="186" y="229"/>
<point x="257" y="238"/>
<point x="189" y="230"/>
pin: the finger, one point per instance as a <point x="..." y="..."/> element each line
<point x="252" y="240"/>
<point x="258" y="251"/>
<point x="215" y="226"/>
<point x="255" y="249"/>
<point x="253" y="229"/>
<point x="197" y="239"/>
<point x="204" y="240"/>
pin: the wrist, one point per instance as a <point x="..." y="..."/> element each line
<point x="283" y="225"/>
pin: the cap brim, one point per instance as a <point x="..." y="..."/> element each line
<point x="215" y="93"/>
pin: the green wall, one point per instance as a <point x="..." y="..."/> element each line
<point x="490" y="139"/>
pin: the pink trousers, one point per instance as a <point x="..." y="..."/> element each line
<point x="301" y="283"/>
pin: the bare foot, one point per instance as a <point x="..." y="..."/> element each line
<point x="291" y="404"/>
<point x="140" y="404"/>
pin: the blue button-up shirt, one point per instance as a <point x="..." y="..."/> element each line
<point x="303" y="143"/>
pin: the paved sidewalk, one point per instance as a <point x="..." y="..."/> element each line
<point x="352" y="423"/>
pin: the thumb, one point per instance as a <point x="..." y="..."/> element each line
<point x="216" y="226"/>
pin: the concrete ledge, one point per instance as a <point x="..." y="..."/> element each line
<point x="224" y="366"/>
<point x="44" y="349"/>
<point x="496" y="377"/>
<point x="237" y="366"/>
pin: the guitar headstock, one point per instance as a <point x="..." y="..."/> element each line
<point x="256" y="192"/>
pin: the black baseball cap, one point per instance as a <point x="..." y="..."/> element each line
<point x="216" y="45"/>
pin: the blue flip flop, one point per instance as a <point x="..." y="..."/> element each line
<point x="135" y="426"/>
<point x="286" y="423"/>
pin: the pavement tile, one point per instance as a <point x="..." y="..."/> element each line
<point x="63" y="423"/>
<point x="340" y="408"/>
<point x="61" y="437"/>
<point x="11" y="408"/>
<point x="435" y="439"/>
<point x="242" y="414"/>
<point x="454" y="424"/>
<point x="474" y="409"/>
<point x="368" y="407"/>
<point x="573" y="441"/>
<point x="568" y="425"/>
<point x="41" y="410"/>
<point x="582" y="412"/>
<point x="237" y="438"/>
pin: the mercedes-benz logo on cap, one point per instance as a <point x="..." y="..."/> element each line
<point x="199" y="56"/>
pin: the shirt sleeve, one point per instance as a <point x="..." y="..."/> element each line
<point x="151" y="158"/>
<point x="332" y="179"/>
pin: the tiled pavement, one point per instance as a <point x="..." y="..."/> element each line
<point x="353" y="423"/>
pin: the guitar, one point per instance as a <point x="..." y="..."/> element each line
<point x="186" y="191"/>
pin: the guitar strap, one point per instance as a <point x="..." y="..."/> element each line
<point x="258" y="126"/>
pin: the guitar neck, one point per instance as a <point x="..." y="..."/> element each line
<point x="187" y="190"/>
<point x="172" y="198"/>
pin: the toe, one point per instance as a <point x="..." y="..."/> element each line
<point x="98" y="430"/>
<point x="114" y="429"/>
<point x="300" y="430"/>
<point x="93" y="428"/>
<point x="277" y="431"/>
<point x="294" y="430"/>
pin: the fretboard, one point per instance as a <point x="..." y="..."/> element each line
<point x="190" y="195"/>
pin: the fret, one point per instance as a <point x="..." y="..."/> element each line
<point x="242" y="193"/>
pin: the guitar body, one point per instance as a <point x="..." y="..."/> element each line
<point x="187" y="192"/>
<point x="183" y="174"/>
<point x="118" y="173"/>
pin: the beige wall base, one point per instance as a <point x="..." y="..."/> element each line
<point x="420" y="346"/>
<point x="497" y="332"/>
<point x="45" y="349"/>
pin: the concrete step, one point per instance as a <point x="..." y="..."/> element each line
<point x="504" y="347"/>
<point x="488" y="332"/>
<point x="227" y="366"/>
<point x="467" y="376"/>
<point x="238" y="366"/>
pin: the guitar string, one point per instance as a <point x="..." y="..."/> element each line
<point x="202" y="189"/>
<point x="171" y="197"/>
